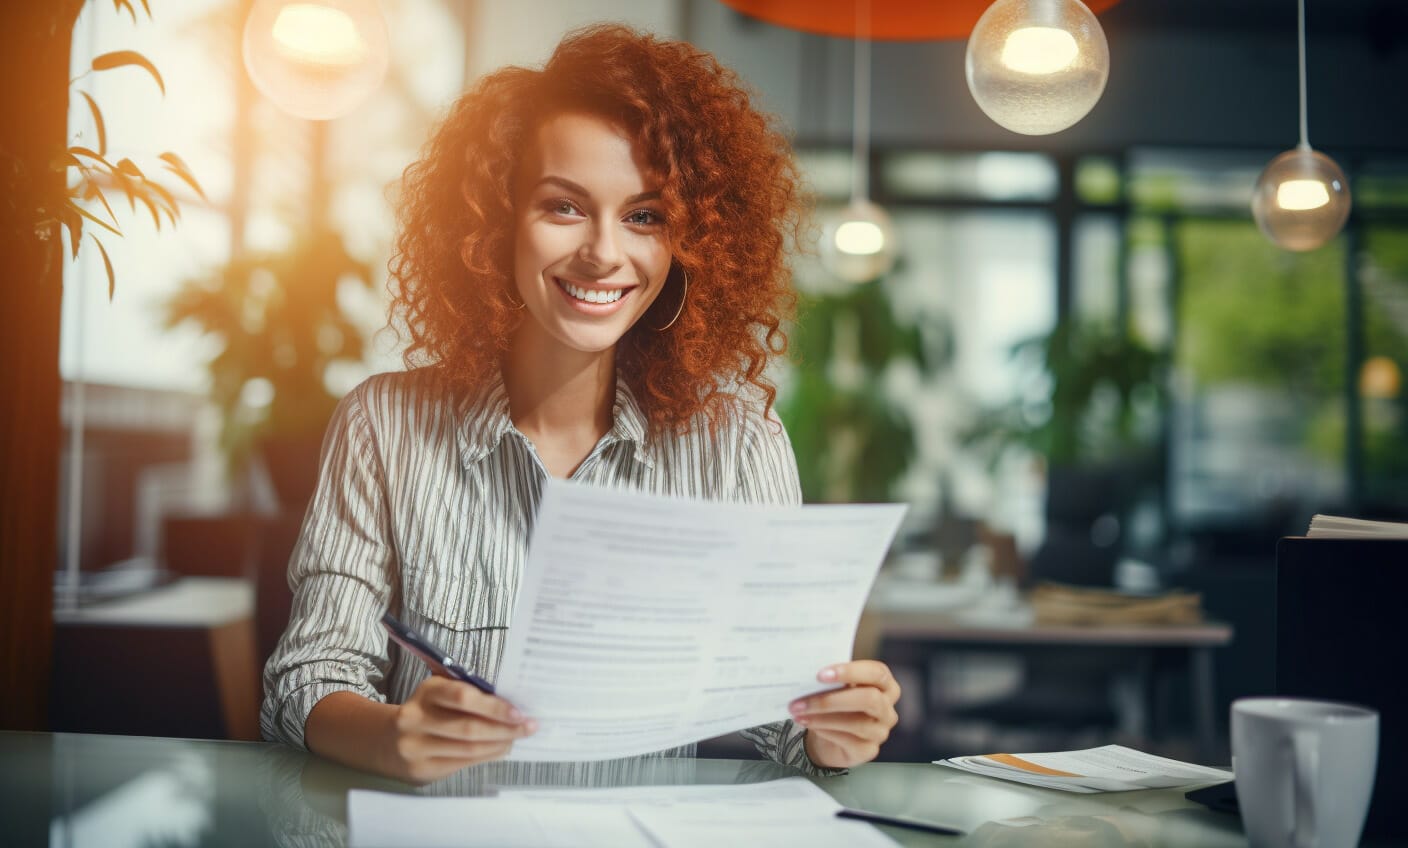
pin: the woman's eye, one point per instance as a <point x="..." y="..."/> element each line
<point x="562" y="207"/>
<point x="644" y="217"/>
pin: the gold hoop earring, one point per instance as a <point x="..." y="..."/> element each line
<point x="683" y="296"/>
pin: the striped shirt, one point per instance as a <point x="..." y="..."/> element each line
<point x="424" y="505"/>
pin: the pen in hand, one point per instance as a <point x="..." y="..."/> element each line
<point x="432" y="656"/>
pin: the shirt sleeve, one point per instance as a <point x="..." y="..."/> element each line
<point x="341" y="574"/>
<point x="767" y="473"/>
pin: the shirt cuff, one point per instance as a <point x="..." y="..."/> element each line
<point x="283" y="719"/>
<point x="785" y="742"/>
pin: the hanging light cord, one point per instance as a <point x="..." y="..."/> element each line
<point x="860" y="124"/>
<point x="1304" y="121"/>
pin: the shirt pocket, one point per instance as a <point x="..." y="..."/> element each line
<point x="447" y="584"/>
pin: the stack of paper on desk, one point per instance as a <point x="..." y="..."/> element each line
<point x="1339" y="527"/>
<point x="643" y="623"/>
<point x="1111" y="768"/>
<point x="779" y="812"/>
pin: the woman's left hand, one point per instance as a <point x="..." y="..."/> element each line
<point x="846" y="727"/>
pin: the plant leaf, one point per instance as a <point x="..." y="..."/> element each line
<point x="127" y="166"/>
<point x="91" y="154"/>
<point x="63" y="161"/>
<point x="177" y="166"/>
<point x="74" y="223"/>
<point x="93" y="191"/>
<point x="90" y="216"/>
<point x="148" y="9"/>
<point x="168" y="202"/>
<point x="151" y="207"/>
<point x="107" y="265"/>
<point x="98" y="122"/>
<point x="123" y="58"/>
<point x="119" y="5"/>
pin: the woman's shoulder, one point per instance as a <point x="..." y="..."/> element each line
<point x="395" y="401"/>
<point x="738" y="419"/>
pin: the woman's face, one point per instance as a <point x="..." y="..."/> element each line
<point x="590" y="247"/>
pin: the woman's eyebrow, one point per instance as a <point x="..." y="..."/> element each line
<point x="564" y="183"/>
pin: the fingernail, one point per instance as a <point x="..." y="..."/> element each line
<point x="798" y="707"/>
<point x="531" y="726"/>
<point x="827" y="674"/>
<point x="515" y="714"/>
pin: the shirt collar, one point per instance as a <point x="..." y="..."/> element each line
<point x="484" y="421"/>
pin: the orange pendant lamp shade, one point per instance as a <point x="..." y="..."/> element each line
<point x="890" y="20"/>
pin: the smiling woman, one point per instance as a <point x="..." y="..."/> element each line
<point x="728" y="198"/>
<point x="592" y="273"/>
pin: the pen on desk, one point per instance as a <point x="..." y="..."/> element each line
<point x="431" y="655"/>
<point x="897" y="821"/>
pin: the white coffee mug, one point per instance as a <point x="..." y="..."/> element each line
<point x="1305" y="770"/>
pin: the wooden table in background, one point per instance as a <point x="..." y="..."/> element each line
<point x="944" y="631"/>
<point x="178" y="660"/>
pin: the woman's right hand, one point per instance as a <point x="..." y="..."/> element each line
<point x="447" y="725"/>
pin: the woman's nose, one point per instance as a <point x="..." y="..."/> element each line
<point x="601" y="249"/>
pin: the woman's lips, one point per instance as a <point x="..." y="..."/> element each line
<point x="588" y="307"/>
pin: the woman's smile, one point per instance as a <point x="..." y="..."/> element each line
<point x="594" y="298"/>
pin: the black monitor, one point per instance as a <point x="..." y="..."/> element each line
<point x="1342" y="635"/>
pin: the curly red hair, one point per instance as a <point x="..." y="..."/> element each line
<point x="731" y="198"/>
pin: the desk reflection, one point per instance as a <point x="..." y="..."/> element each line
<point x="82" y="791"/>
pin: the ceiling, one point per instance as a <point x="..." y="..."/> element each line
<point x="1345" y="17"/>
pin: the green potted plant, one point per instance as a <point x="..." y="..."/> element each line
<point x="1092" y="413"/>
<point x="277" y="318"/>
<point x="853" y="442"/>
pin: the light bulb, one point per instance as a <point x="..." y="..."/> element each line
<point x="1301" y="200"/>
<point x="1037" y="66"/>
<point x="1379" y="378"/>
<point x="316" y="59"/>
<point x="858" y="242"/>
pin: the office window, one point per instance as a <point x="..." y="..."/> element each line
<point x="1383" y="398"/>
<point x="1150" y="278"/>
<point x="1096" y="276"/>
<point x="1194" y="181"/>
<point x="1098" y="180"/>
<point x="990" y="176"/>
<point x="1259" y="412"/>
<point x="828" y="173"/>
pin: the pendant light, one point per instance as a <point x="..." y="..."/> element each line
<point x="1302" y="198"/>
<point x="316" y="59"/>
<point x="1037" y="66"/>
<point x="858" y="242"/>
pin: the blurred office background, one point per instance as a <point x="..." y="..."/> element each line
<point x="1087" y="365"/>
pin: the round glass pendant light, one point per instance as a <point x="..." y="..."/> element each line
<point x="1037" y="66"/>
<point x="316" y="59"/>
<point x="1302" y="199"/>
<point x="858" y="241"/>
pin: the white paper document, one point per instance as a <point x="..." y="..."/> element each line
<point x="389" y="820"/>
<point x="1110" y="768"/>
<point x="792" y="811"/>
<point x="643" y="623"/>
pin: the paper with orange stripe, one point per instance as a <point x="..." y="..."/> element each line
<point x="1111" y="768"/>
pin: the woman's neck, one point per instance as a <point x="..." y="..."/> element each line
<point x="561" y="399"/>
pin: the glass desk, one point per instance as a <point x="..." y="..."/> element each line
<point x="80" y="791"/>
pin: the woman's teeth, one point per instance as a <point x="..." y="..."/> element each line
<point x="592" y="295"/>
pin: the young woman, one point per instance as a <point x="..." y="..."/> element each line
<point x="591" y="273"/>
